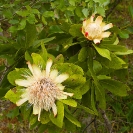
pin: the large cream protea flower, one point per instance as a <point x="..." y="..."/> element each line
<point x="94" y="30"/>
<point x="43" y="88"/>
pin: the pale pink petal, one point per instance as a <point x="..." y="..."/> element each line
<point x="106" y="27"/>
<point x="61" y="78"/>
<point x="54" y="109"/>
<point x="21" y="101"/>
<point x="106" y="34"/>
<point x="60" y="86"/>
<point x="53" y="74"/>
<point x="99" y="20"/>
<point x="48" y="66"/>
<point x="96" y="41"/>
<point x="22" y="82"/>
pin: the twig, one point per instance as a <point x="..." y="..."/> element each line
<point x="107" y="122"/>
<point x="89" y="124"/>
<point x="95" y="125"/>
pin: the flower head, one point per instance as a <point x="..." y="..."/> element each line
<point x="94" y="30"/>
<point x="42" y="88"/>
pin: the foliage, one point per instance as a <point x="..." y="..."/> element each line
<point x="38" y="30"/>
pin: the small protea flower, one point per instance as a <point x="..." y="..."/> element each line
<point x="94" y="30"/>
<point x="42" y="88"/>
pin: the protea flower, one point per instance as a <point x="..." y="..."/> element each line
<point x="42" y="88"/>
<point x="94" y="30"/>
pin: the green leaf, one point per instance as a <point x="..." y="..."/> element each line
<point x="115" y="48"/>
<point x="38" y="60"/>
<point x="86" y="109"/>
<point x="42" y="42"/>
<point x="7" y="14"/>
<point x="26" y="111"/>
<point x="115" y="63"/>
<point x="72" y="119"/>
<point x="102" y="2"/>
<point x="96" y="66"/>
<point x="103" y="52"/>
<point x="124" y="53"/>
<point x="70" y="68"/>
<point x="12" y="96"/>
<point x="16" y="74"/>
<point x="44" y="118"/>
<point x="85" y="11"/>
<point x="22" y="13"/>
<point x="30" y="34"/>
<point x="79" y="12"/>
<point x="124" y="34"/>
<point x="100" y="10"/>
<point x="75" y="80"/>
<point x="44" y="53"/>
<point x="48" y="14"/>
<point x="116" y="87"/>
<point x="83" y="54"/>
<point x="33" y="119"/>
<point x="58" y="120"/>
<point x="71" y="128"/>
<point x="93" y="102"/>
<point x="100" y="93"/>
<point x="131" y="11"/>
<point x="69" y="102"/>
<point x="13" y="113"/>
<point x="130" y="29"/>
<point x="85" y="87"/>
<point x="21" y="25"/>
<point x="42" y="128"/>
<point x="54" y="29"/>
<point x="100" y="77"/>
<point x="31" y="19"/>
<point x="28" y="57"/>
<point x="75" y="30"/>
<point x="13" y="21"/>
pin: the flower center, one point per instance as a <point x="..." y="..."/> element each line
<point x="94" y="30"/>
<point x="43" y="93"/>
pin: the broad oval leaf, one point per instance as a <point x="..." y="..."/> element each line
<point x="116" y="87"/>
<point x="44" y="118"/>
<point x="103" y="52"/>
<point x="75" y="30"/>
<point x="83" y="54"/>
<point x="17" y="74"/>
<point x="38" y="60"/>
<point x="72" y="119"/>
<point x="69" y="102"/>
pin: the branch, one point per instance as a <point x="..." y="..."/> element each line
<point x="107" y="122"/>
